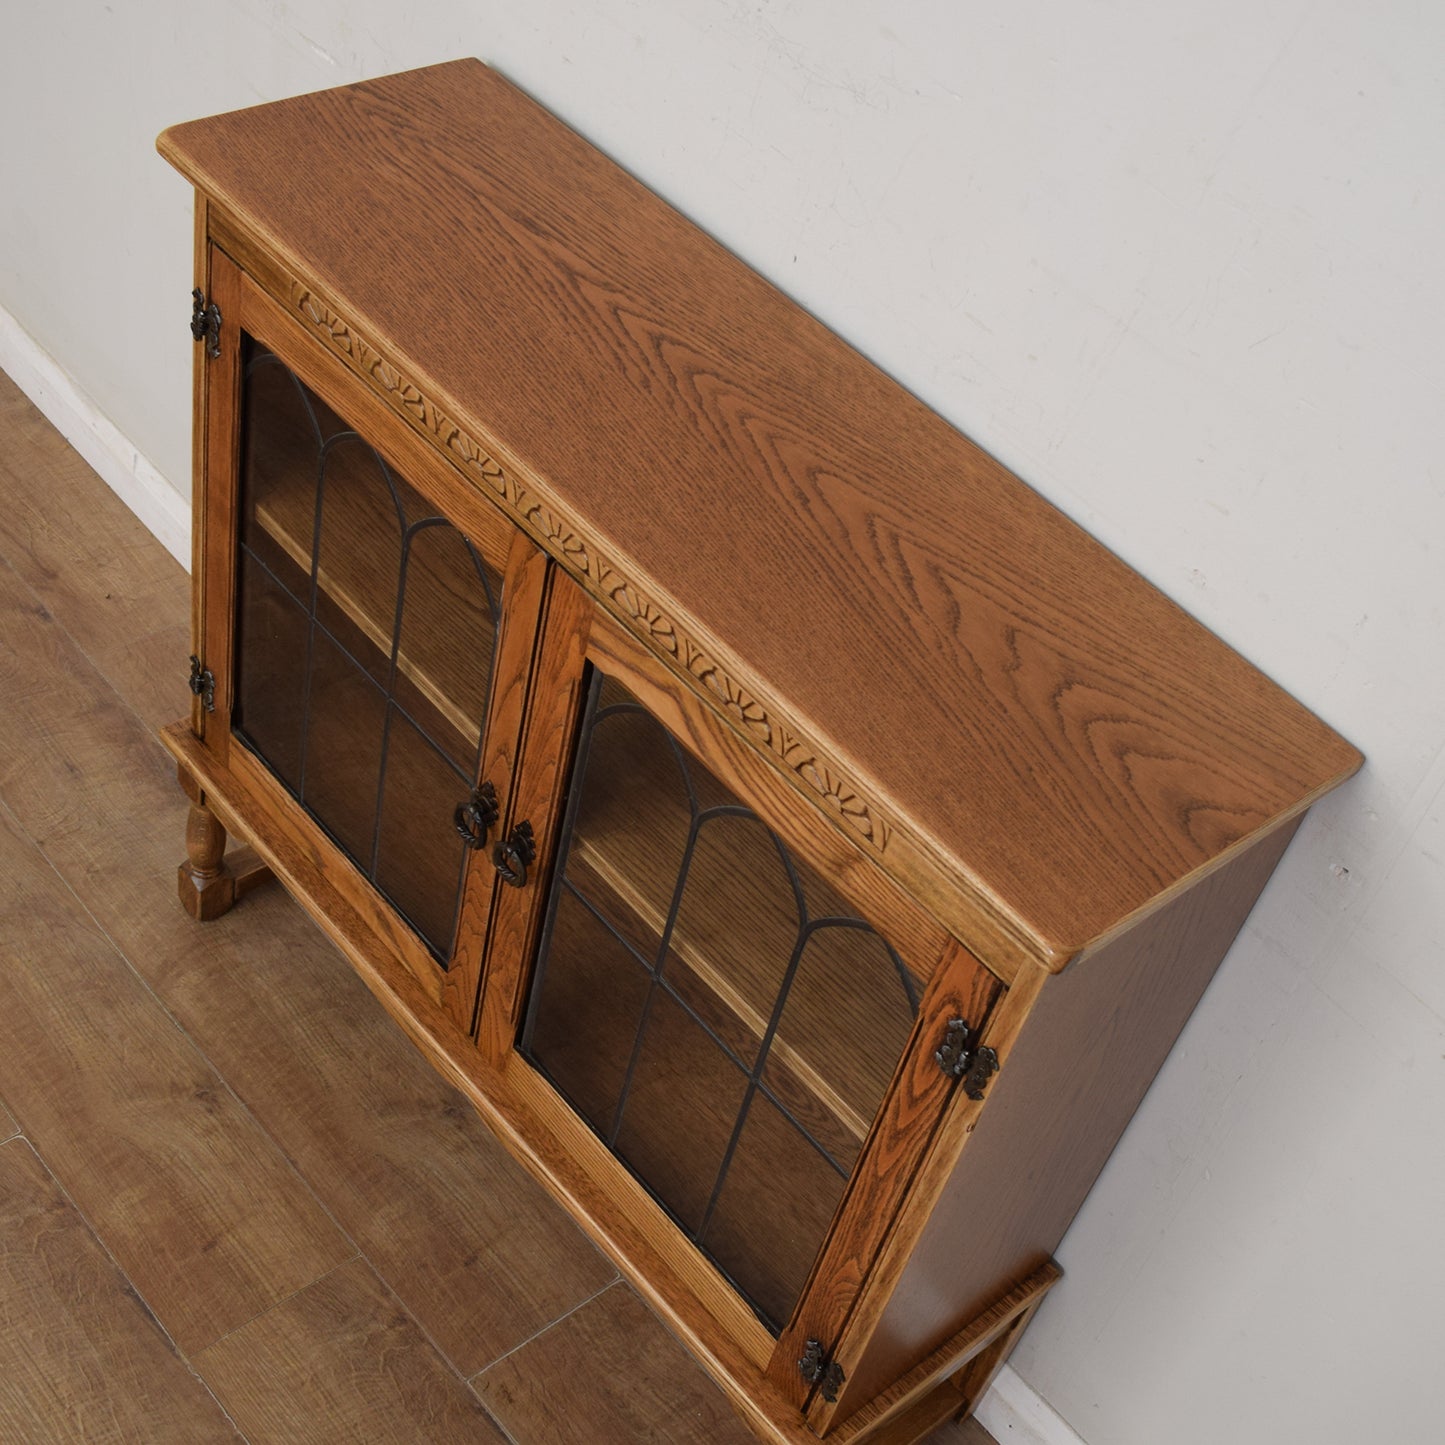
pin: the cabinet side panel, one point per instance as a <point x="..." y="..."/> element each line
<point x="1083" y="1063"/>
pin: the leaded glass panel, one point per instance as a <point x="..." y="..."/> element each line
<point x="365" y="644"/>
<point x="723" y="1020"/>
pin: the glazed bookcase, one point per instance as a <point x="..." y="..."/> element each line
<point x="800" y="842"/>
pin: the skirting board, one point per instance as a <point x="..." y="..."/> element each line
<point x="1014" y="1415"/>
<point x="77" y="418"/>
<point x="1011" y="1412"/>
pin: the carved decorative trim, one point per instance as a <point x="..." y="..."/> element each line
<point x="561" y="539"/>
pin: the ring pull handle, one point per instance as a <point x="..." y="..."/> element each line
<point x="515" y="854"/>
<point x="477" y="816"/>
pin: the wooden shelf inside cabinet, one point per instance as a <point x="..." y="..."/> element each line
<point x="354" y="591"/>
<point x="628" y="846"/>
<point x="811" y="925"/>
<point x="363" y="526"/>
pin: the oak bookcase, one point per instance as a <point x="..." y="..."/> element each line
<point x="801" y="842"/>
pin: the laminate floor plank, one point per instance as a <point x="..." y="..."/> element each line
<point x="81" y="1358"/>
<point x="195" y="1203"/>
<point x="623" y="1379"/>
<point x="342" y="1362"/>
<point x="471" y="1255"/>
<point x="461" y="1233"/>
<point x="454" y="1225"/>
<point x="114" y="588"/>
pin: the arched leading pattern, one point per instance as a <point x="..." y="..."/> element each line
<point x="723" y="1020"/>
<point x="365" y="643"/>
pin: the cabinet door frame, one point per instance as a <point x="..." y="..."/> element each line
<point x="214" y="524"/>
<point x="246" y="307"/>
<point x="918" y="1099"/>
<point x="577" y="632"/>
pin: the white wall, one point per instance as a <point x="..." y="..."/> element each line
<point x="1179" y="265"/>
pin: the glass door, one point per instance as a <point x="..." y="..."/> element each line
<point x="374" y="603"/>
<point x="742" y="1021"/>
<point x="716" y="1019"/>
<point x="366" y="636"/>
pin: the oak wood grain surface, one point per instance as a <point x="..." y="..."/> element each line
<point x="92" y="659"/>
<point x="960" y="1365"/>
<point x="525" y="591"/>
<point x="81" y="1358"/>
<point x="216" y="399"/>
<point x="920" y="635"/>
<point x="554" y="701"/>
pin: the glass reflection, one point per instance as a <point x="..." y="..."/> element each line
<point x="709" y="1005"/>
<point x="364" y="648"/>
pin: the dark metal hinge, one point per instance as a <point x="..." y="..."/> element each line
<point x="954" y="1054"/>
<point x="817" y="1369"/>
<point x="980" y="1071"/>
<point x="202" y="684"/>
<point x="206" y="322"/>
<point x="959" y="1059"/>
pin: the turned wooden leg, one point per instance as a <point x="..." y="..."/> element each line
<point x="207" y="890"/>
<point x="208" y="882"/>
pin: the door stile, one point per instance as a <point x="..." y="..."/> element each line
<point x="523" y="595"/>
<point x="553" y="713"/>
<point x="944" y="1152"/>
<point x="915" y="1105"/>
<point x="214" y="502"/>
<point x="200" y="377"/>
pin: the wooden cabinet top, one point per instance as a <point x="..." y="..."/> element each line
<point x="1008" y="718"/>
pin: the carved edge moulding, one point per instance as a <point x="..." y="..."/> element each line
<point x="962" y="903"/>
<point x="805" y="766"/>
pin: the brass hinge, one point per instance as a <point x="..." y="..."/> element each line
<point x="959" y="1059"/>
<point x="206" y="322"/>
<point x="817" y="1369"/>
<point x="203" y="684"/>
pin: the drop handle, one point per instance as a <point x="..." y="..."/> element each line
<point x="476" y="816"/>
<point x="514" y="854"/>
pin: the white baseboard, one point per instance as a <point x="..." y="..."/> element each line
<point x="1015" y="1415"/>
<point x="77" y="418"/>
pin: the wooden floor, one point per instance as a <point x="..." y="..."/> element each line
<point x="234" y="1202"/>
